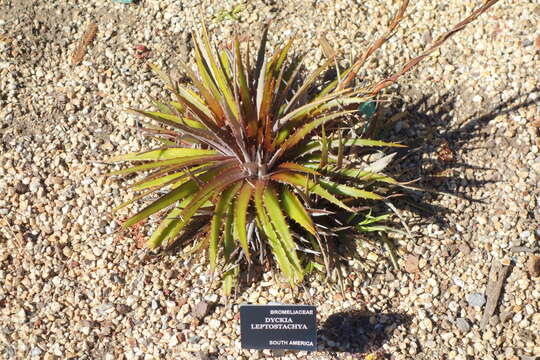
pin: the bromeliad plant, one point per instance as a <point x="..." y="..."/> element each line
<point x="256" y="162"/>
<point x="243" y="147"/>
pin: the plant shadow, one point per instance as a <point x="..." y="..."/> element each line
<point x="436" y="161"/>
<point x="431" y="164"/>
<point x="359" y="332"/>
<point x="435" y="144"/>
<point x="427" y="130"/>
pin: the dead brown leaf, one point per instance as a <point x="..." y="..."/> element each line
<point x="88" y="37"/>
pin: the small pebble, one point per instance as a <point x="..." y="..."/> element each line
<point x="476" y="299"/>
<point x="463" y="325"/>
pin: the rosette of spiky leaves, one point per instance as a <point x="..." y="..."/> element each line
<point x="247" y="146"/>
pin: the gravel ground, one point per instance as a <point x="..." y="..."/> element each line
<point x="74" y="288"/>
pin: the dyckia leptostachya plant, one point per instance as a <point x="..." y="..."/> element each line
<point x="249" y="146"/>
<point x="240" y="146"/>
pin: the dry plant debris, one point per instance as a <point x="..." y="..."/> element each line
<point x="497" y="276"/>
<point x="87" y="39"/>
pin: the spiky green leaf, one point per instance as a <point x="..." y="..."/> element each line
<point x="163" y="154"/>
<point x="215" y="226"/>
<point x="240" y="215"/>
<point x="310" y="186"/>
<point x="295" y="210"/>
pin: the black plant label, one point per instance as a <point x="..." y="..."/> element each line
<point x="289" y="327"/>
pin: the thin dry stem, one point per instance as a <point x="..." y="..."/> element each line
<point x="435" y="45"/>
<point x="376" y="45"/>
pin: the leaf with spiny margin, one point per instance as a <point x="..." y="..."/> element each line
<point x="215" y="225"/>
<point x="324" y="149"/>
<point x="340" y="189"/>
<point x="177" y="194"/>
<point x="300" y="113"/>
<point x="261" y="54"/>
<point x="206" y="93"/>
<point x="311" y="186"/>
<point x="147" y="166"/>
<point x="367" y="142"/>
<point x="162" y="107"/>
<point x="177" y="162"/>
<point x="314" y="146"/>
<point x="229" y="278"/>
<point x="165" y="142"/>
<point x="300" y="134"/>
<point x="339" y="99"/>
<point x="157" y="178"/>
<point x="161" y="74"/>
<point x="307" y="83"/>
<point x="159" y="181"/>
<point x="260" y="91"/>
<point x="282" y="56"/>
<point x="364" y="175"/>
<point x="205" y="74"/>
<point x="289" y="78"/>
<point x="297" y="168"/>
<point x="277" y="247"/>
<point x="296" y="211"/>
<point x="279" y="222"/>
<point x="333" y="85"/>
<point x="212" y="125"/>
<point x="162" y="118"/>
<point x="163" y="154"/>
<point x="196" y="104"/>
<point x="273" y="209"/>
<point x="158" y="114"/>
<point x="201" y="196"/>
<point x="136" y="198"/>
<point x="219" y="75"/>
<point x="240" y="215"/>
<point x="267" y="96"/>
<point x="166" y="229"/>
<point x="152" y="190"/>
<point x="228" y="236"/>
<point x="244" y="91"/>
<point x="225" y="64"/>
<point x="168" y="199"/>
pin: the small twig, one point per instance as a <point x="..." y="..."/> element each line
<point x="403" y="222"/>
<point x="524" y="249"/>
<point x="376" y="45"/>
<point x="497" y="275"/>
<point x="392" y="251"/>
<point x="435" y="45"/>
<point x="88" y="37"/>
